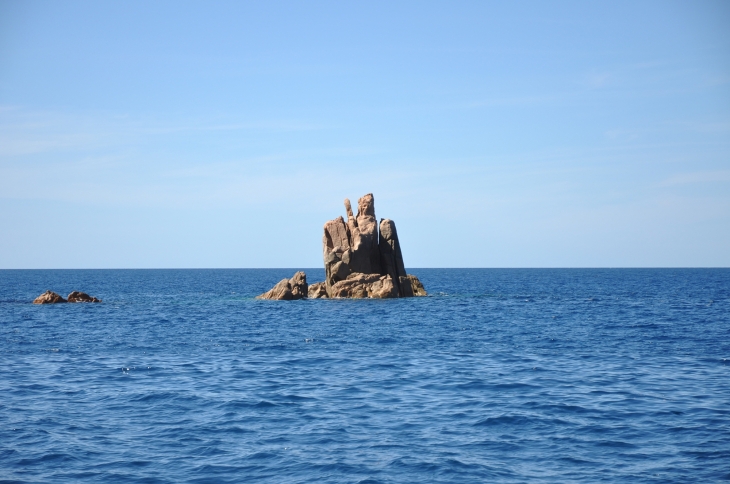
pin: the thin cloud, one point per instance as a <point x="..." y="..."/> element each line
<point x="25" y="132"/>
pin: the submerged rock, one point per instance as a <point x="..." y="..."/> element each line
<point x="288" y="289"/>
<point x="49" y="297"/>
<point x="77" y="296"/>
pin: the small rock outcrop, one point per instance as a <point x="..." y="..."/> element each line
<point x="77" y="296"/>
<point x="317" y="290"/>
<point x="288" y="289"/>
<point x="416" y="286"/>
<point x="49" y="297"/>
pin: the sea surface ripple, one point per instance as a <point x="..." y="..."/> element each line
<point x="534" y="375"/>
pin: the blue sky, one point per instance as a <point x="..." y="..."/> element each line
<point x="510" y="134"/>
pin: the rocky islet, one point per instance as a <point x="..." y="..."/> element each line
<point x="50" y="297"/>
<point x="362" y="259"/>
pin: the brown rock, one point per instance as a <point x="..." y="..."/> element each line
<point x="406" y="289"/>
<point x="391" y="257"/>
<point x="358" y="285"/>
<point x="77" y="296"/>
<point x="280" y="292"/>
<point x="335" y="247"/>
<point x="49" y="297"/>
<point x="364" y="236"/>
<point x="318" y="290"/>
<point x="383" y="288"/>
<point x="351" y="221"/>
<point x="416" y="286"/>
<point x="352" y="246"/>
<point x="340" y="270"/>
<point x="336" y="234"/>
<point x="288" y="289"/>
<point x="349" y="289"/>
<point x="353" y="250"/>
<point x="298" y="284"/>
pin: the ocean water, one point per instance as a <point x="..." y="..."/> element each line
<point x="498" y="376"/>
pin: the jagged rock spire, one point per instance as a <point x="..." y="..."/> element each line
<point x="353" y="247"/>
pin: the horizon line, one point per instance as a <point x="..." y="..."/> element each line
<point x="322" y="268"/>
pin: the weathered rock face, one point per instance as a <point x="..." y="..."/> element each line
<point x="318" y="290"/>
<point x="405" y="287"/>
<point x="359" y="285"/>
<point x="288" y="289"/>
<point x="337" y="253"/>
<point x="416" y="286"/>
<point x="281" y="291"/>
<point x="298" y="284"/>
<point x="364" y="236"/>
<point x="77" y="296"/>
<point x="391" y="257"/>
<point x="49" y="297"/>
<point x="354" y="248"/>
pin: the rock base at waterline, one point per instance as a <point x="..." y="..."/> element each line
<point x="355" y="286"/>
<point x="361" y="286"/>
<point x="50" y="297"/>
<point x="288" y="289"/>
<point x="78" y="296"/>
<point x="362" y="246"/>
<point x="317" y="290"/>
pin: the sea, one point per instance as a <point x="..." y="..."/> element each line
<point x="498" y="375"/>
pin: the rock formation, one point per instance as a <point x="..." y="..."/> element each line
<point x="353" y="248"/>
<point x="317" y="290"/>
<point x="49" y="297"/>
<point x="77" y="296"/>
<point x="337" y="252"/>
<point x="391" y="257"/>
<point x="288" y="289"/>
<point x="357" y="263"/>
<point x="358" y="285"/>
<point x="363" y="236"/>
<point x="416" y="286"/>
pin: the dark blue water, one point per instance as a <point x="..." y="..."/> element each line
<point x="499" y="376"/>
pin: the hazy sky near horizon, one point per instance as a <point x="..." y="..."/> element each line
<point x="495" y="134"/>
